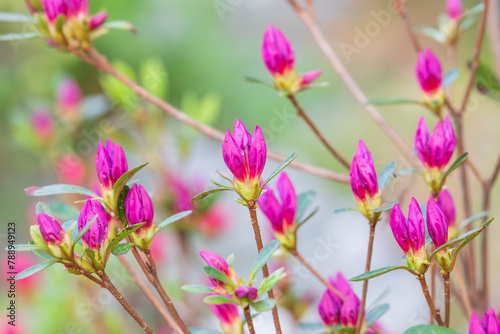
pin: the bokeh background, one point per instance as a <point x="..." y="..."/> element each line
<point x="198" y="53"/>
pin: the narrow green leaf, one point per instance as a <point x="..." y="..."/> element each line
<point x="196" y="330"/>
<point x="34" y="269"/>
<point x="312" y="327"/>
<point x="122" y="181"/>
<point x="408" y="171"/>
<point x="263" y="257"/>
<point x="41" y="253"/>
<point x="81" y="233"/>
<point x="304" y="200"/>
<point x="173" y="219"/>
<point x="58" y="189"/>
<point x="120" y="205"/>
<point x="384" y="207"/>
<point x="388" y="101"/>
<point x="473" y="218"/>
<point x="270" y="282"/>
<point x="264" y="305"/>
<point x="433" y="33"/>
<point x="460" y="160"/>
<point x="281" y="167"/>
<point x="19" y="36"/>
<point x="344" y="210"/>
<point x="217" y="274"/>
<point x="218" y="299"/>
<point x="15" y="17"/>
<point x="450" y="77"/>
<point x="122" y="235"/>
<point x="474" y="10"/>
<point x="429" y="329"/>
<point x="386" y="175"/>
<point x="121" y="249"/>
<point x="300" y="223"/>
<point x="375" y="273"/>
<point x="91" y="256"/>
<point x="257" y="81"/>
<point x="64" y="211"/>
<point x="197" y="288"/>
<point x="204" y="194"/>
<point x="230" y="260"/>
<point x="27" y="248"/>
<point x="375" y="313"/>
<point x="121" y="25"/>
<point x="42" y="207"/>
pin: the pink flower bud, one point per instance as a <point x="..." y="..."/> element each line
<point x="416" y="226"/>
<point x="277" y="52"/>
<point x="43" y="124"/>
<point x="247" y="292"/>
<point x="309" y="77"/>
<point x="98" y="20"/>
<point x="398" y="226"/>
<point x="111" y="163"/>
<point x="437" y="224"/>
<point x="71" y="168"/>
<point x="69" y="95"/>
<point x="98" y="231"/>
<point x="139" y="207"/>
<point x="363" y="177"/>
<point x="216" y="261"/>
<point x="445" y="202"/>
<point x="454" y="9"/>
<point x="428" y="70"/>
<point x="281" y="215"/>
<point x="436" y="150"/>
<point x="350" y="310"/>
<point x="54" y="8"/>
<point x="228" y="316"/>
<point x="329" y="308"/>
<point x="51" y="230"/>
<point x="489" y="323"/>
<point x="244" y="155"/>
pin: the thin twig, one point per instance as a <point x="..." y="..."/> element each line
<point x="463" y="291"/>
<point x="494" y="32"/>
<point x="302" y="114"/>
<point x="401" y="5"/>
<point x="248" y="319"/>
<point x="353" y="87"/>
<point x="425" y="290"/>
<point x="446" y="278"/>
<point x="265" y="271"/>
<point x="433" y="286"/>
<point x="365" y="283"/>
<point x="95" y="59"/>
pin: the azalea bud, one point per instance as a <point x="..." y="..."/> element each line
<point x="437" y="224"/>
<point x="69" y="96"/>
<point x="341" y="284"/>
<point x="350" y="310"/>
<point x="97" y="20"/>
<point x="97" y="234"/>
<point x="229" y="318"/>
<point x="111" y="163"/>
<point x="139" y="209"/>
<point x="430" y="78"/>
<point x="308" y="77"/>
<point x="216" y="261"/>
<point x="281" y="215"/>
<point x="43" y="124"/>
<point x="51" y="230"/>
<point x="399" y="229"/>
<point x="245" y="156"/>
<point x="454" y="9"/>
<point x="246" y="292"/>
<point x="329" y="308"/>
<point x="489" y="323"/>
<point x="445" y="202"/>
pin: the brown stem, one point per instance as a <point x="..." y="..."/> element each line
<point x="463" y="291"/>
<point x="352" y="85"/>
<point x="157" y="304"/>
<point x="265" y="270"/>
<point x="425" y="290"/>
<point x="94" y="58"/>
<point x="315" y="273"/>
<point x="494" y="32"/>
<point x="248" y="319"/>
<point x="361" y="314"/>
<point x="301" y="113"/>
<point x="119" y="297"/>
<point x="433" y="286"/>
<point x="401" y="5"/>
<point x="446" y="278"/>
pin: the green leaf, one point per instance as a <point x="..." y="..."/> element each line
<point x="304" y="200"/>
<point x="218" y="299"/>
<point x="433" y="33"/>
<point x="217" y="274"/>
<point x="173" y="219"/>
<point x="34" y="269"/>
<point x="264" y="305"/>
<point x="388" y="101"/>
<point x="122" y="235"/>
<point x="91" y="256"/>
<point x="205" y="109"/>
<point x="120" y="205"/>
<point x="386" y="175"/>
<point x="263" y="257"/>
<point x="42" y="207"/>
<point x="204" y="194"/>
<point x="429" y="329"/>
<point x="58" y="189"/>
<point x="121" y="25"/>
<point x="19" y="36"/>
<point x="408" y="171"/>
<point x="271" y="281"/>
<point x="375" y="273"/>
<point x="121" y="249"/>
<point x="122" y="181"/>
<point x="119" y="93"/>
<point x="300" y="223"/>
<point x="342" y="210"/>
<point x="196" y="330"/>
<point x="312" y="327"/>
<point x="384" y="207"/>
<point x="154" y="77"/>
<point x="197" y="288"/>
<point x="281" y="167"/>
<point x="474" y="10"/>
<point x="460" y="160"/>
<point x="41" y="253"/>
<point x="258" y="81"/>
<point x="15" y="17"/>
<point x="64" y="211"/>
<point x="450" y="77"/>
<point x="473" y="218"/>
<point x="81" y="233"/>
<point x="230" y="260"/>
<point x="27" y="248"/>
<point x="376" y="312"/>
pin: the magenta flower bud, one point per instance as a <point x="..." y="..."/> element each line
<point x="454" y="9"/>
<point x="436" y="150"/>
<point x="309" y="77"/>
<point x="281" y="216"/>
<point x="111" y="163"/>
<point x="97" y="20"/>
<point x="363" y="177"/>
<point x="277" y="52"/>
<point x="77" y="8"/>
<point x="429" y="72"/>
<point x="247" y="292"/>
<point x="398" y="226"/>
<point x="42" y="123"/>
<point x="416" y="226"/>
<point x="350" y="310"/>
<point x="329" y="308"/>
<point x="244" y="155"/>
<point x="51" y="230"/>
<point x="228" y="316"/>
<point x="98" y="231"/>
<point x="69" y="95"/>
<point x="139" y="207"/>
<point x="54" y="8"/>
<point x="445" y="202"/>
<point x="341" y="284"/>
<point x="489" y="323"/>
<point x="437" y="224"/>
<point x="216" y="261"/>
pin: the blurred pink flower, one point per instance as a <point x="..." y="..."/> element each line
<point x="213" y="221"/>
<point x="71" y="169"/>
<point x="69" y="95"/>
<point x="43" y="124"/>
<point x="22" y="261"/>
